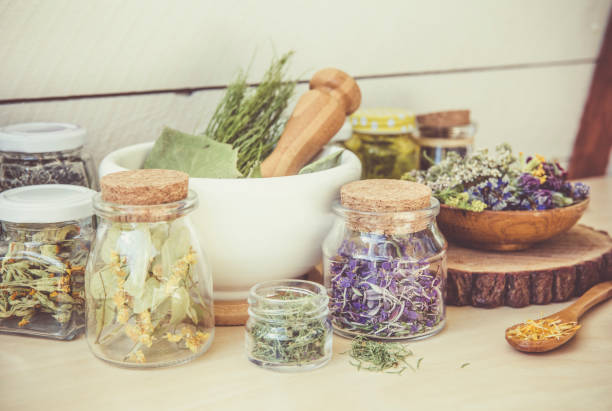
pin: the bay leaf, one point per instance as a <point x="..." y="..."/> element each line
<point x="324" y="163"/>
<point x="146" y="301"/>
<point x="137" y="247"/>
<point x="103" y="284"/>
<point x="198" y="156"/>
<point x="175" y="247"/>
<point x="180" y="305"/>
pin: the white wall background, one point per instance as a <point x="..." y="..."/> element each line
<point x="522" y="66"/>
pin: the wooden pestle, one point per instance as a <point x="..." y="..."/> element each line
<point x="317" y="117"/>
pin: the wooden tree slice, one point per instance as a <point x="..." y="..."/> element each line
<point x="556" y="270"/>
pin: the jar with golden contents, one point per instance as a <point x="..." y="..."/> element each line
<point x="384" y="141"/>
<point x="148" y="285"/>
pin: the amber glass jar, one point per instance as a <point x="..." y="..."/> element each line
<point x="384" y="141"/>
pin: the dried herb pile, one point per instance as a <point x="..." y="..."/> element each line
<point x="42" y="278"/>
<point x="294" y="335"/>
<point x="500" y="181"/>
<point x="379" y="288"/>
<point x="145" y="298"/>
<point x="379" y="356"/>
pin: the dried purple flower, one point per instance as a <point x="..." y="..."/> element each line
<point x="542" y="199"/>
<point x="580" y="191"/>
<point x="381" y="291"/>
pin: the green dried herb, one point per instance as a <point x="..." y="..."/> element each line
<point x="291" y="337"/>
<point x="41" y="274"/>
<point x="381" y="356"/>
<point x="324" y="163"/>
<point x="147" y="291"/>
<point x="465" y="364"/>
<point x="251" y="121"/>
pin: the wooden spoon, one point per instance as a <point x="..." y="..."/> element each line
<point x="595" y="295"/>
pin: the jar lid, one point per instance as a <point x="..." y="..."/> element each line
<point x="444" y="118"/>
<point x="144" y="187"/>
<point x="382" y="195"/>
<point x="444" y="142"/>
<point x="383" y="121"/>
<point x="41" y="137"/>
<point x="49" y="203"/>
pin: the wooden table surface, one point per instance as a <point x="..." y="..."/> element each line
<point x="38" y="374"/>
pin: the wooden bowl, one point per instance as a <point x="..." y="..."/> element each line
<point x="506" y="230"/>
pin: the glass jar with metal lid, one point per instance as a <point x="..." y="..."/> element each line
<point x="384" y="141"/>
<point x="148" y="283"/>
<point x="44" y="153"/>
<point x="384" y="262"/>
<point x="46" y="235"/>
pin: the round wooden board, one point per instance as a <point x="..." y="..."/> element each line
<point x="555" y="270"/>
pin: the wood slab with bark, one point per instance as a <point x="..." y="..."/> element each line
<point x="553" y="271"/>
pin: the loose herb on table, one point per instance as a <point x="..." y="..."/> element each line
<point x="292" y="337"/>
<point x="379" y="356"/>
<point x="42" y="274"/>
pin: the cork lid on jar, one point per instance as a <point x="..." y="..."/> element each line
<point x="381" y="205"/>
<point x="145" y="196"/>
<point x="144" y="187"/>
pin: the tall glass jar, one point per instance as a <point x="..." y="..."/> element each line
<point x="44" y="153"/>
<point x="385" y="262"/>
<point x="384" y="141"/>
<point x="148" y="284"/>
<point x="46" y="235"/>
<point x="288" y="327"/>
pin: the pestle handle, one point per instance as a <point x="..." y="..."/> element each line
<point x="317" y="117"/>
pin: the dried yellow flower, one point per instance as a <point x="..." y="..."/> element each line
<point x="137" y="356"/>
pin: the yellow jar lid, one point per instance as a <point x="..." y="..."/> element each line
<point x="383" y="121"/>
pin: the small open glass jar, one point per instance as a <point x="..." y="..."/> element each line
<point x="384" y="141"/>
<point x="384" y="262"/>
<point x="44" y="153"/>
<point x="148" y="284"/>
<point x="46" y="235"/>
<point x="288" y="327"/>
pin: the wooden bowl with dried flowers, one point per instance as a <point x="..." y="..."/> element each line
<point x="507" y="230"/>
<point x="498" y="201"/>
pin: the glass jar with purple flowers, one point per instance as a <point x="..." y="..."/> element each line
<point x="385" y="262"/>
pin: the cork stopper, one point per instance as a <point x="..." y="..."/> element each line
<point x="144" y="187"/>
<point x="392" y="199"/>
<point x="444" y="118"/>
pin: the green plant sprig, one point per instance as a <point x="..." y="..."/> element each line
<point x="251" y="120"/>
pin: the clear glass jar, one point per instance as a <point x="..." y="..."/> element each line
<point x="46" y="236"/>
<point x="288" y="327"/>
<point x="384" y="141"/>
<point x="434" y="150"/>
<point x="385" y="273"/>
<point x="44" y="153"/>
<point x="148" y="285"/>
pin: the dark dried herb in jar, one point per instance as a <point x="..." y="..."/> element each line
<point x="43" y="153"/>
<point x="25" y="169"/>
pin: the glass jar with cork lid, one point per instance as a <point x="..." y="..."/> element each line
<point x="148" y="284"/>
<point x="384" y="141"/>
<point x="443" y="132"/>
<point x="384" y="261"/>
